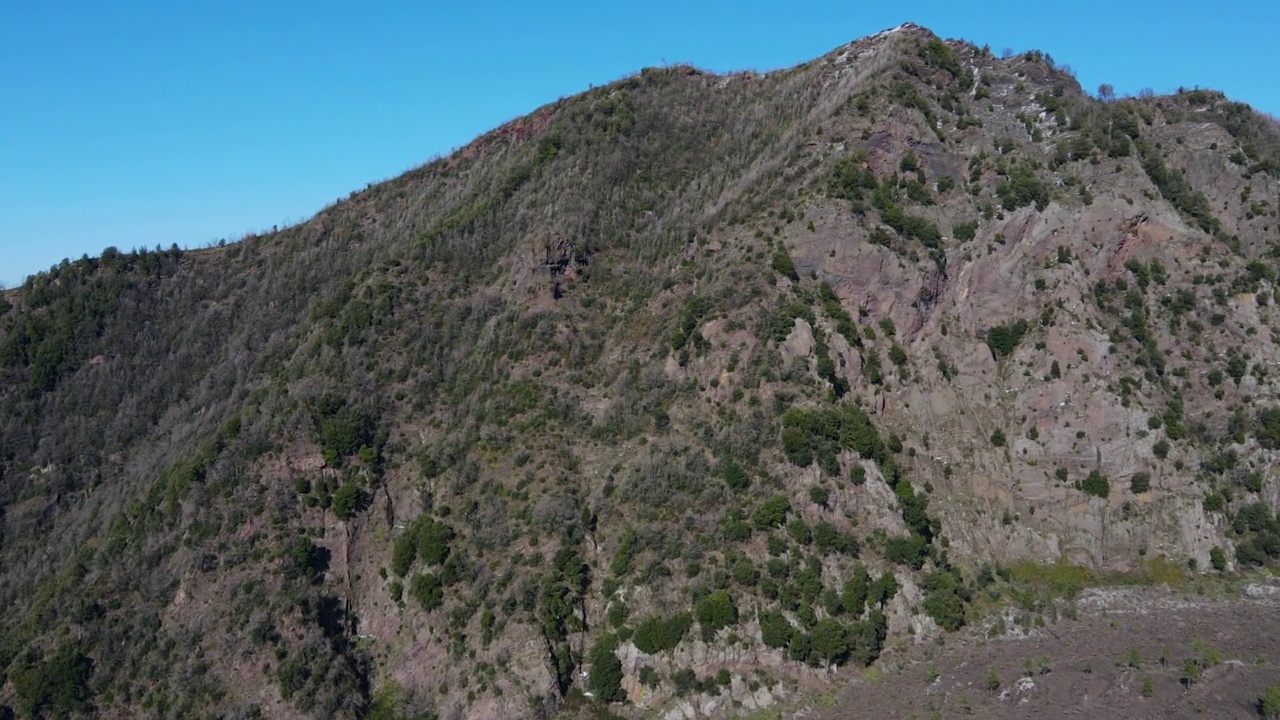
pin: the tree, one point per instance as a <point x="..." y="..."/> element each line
<point x="605" y="681"/>
<point x="1106" y="92"/>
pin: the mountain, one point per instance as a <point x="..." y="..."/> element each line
<point x="665" y="398"/>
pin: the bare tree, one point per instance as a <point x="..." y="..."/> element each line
<point x="1106" y="92"/>
<point x="1006" y="53"/>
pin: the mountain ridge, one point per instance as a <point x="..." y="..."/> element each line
<point x="822" y="362"/>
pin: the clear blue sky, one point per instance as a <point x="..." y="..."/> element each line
<point x="157" y="122"/>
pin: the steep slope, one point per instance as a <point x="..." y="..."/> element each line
<point x="684" y="388"/>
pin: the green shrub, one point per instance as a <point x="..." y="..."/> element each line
<point x="434" y="538"/>
<point x="818" y="435"/>
<point x="775" y="631"/>
<point x="871" y="366"/>
<point x="828" y="539"/>
<point x="686" y="331"/>
<point x="944" y="599"/>
<point x="866" y="638"/>
<point x="1266" y="428"/>
<point x="734" y="526"/>
<point x="965" y="231"/>
<point x="783" y="265"/>
<point x="347" y="500"/>
<point x="715" y="611"/>
<point x="911" y="550"/>
<point x="1214" y="502"/>
<point x="427" y="590"/>
<point x="1022" y="188"/>
<point x="898" y="356"/>
<point x="772" y="513"/>
<point x="938" y="54"/>
<point x="829" y="642"/>
<point x="852" y="179"/>
<point x="819" y="496"/>
<point x="305" y="559"/>
<point x="1096" y="484"/>
<point x="800" y="531"/>
<point x="684" y="680"/>
<point x="1002" y="339"/>
<point x="744" y="572"/>
<point x="857" y="474"/>
<point x="734" y="476"/>
<point x="1218" y="558"/>
<point x="55" y="686"/>
<point x="1140" y="482"/>
<point x="605" y="680"/>
<point x="345" y="433"/>
<point x="910" y="226"/>
<point x="656" y="634"/>
<point x="1269" y="703"/>
<point x="624" y="555"/>
<point x="853" y="597"/>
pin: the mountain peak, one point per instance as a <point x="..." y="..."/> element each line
<point x="670" y="392"/>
